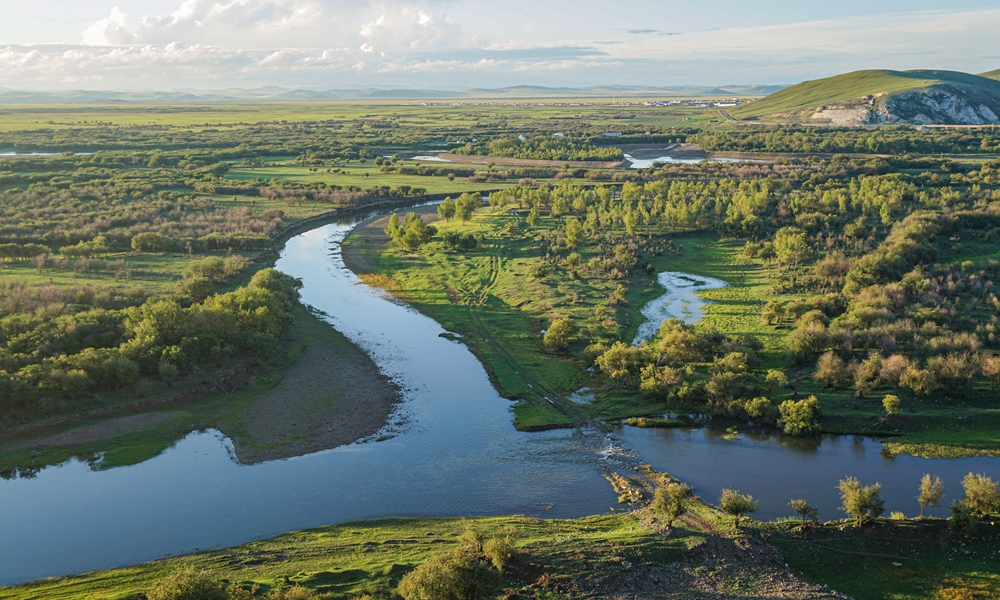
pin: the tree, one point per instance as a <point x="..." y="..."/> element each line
<point x="736" y="505"/>
<point x="830" y="371"/>
<point x="393" y="230"/>
<point x="921" y="381"/>
<point x="670" y="501"/>
<point x="791" y="246"/>
<point x="559" y="335"/>
<point x="800" y="417"/>
<point x="623" y="363"/>
<point x="982" y="495"/>
<point x="891" y="404"/>
<point x="866" y="375"/>
<point x="860" y="502"/>
<point x="802" y="508"/>
<point x="533" y="216"/>
<point x="931" y="492"/>
<point x="776" y="378"/>
<point x="446" y="210"/>
<point x="574" y="232"/>
<point x="466" y="206"/>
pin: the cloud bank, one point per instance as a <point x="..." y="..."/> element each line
<point x="446" y="43"/>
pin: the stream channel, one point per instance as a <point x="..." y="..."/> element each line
<point x="452" y="451"/>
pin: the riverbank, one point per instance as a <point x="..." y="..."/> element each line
<point x="621" y="556"/>
<point x="320" y="391"/>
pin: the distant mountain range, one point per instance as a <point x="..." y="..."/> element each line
<point x="272" y="93"/>
<point x="923" y="97"/>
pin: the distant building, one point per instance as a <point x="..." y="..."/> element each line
<point x="612" y="134"/>
<point x="521" y="137"/>
<point x="559" y="135"/>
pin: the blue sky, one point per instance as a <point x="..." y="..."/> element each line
<point x="172" y="44"/>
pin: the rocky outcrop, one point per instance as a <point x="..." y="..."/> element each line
<point x="939" y="105"/>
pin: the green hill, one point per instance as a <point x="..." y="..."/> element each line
<point x="991" y="74"/>
<point x="870" y="89"/>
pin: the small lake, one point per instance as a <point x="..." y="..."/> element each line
<point x="43" y="153"/>
<point x="456" y="453"/>
<point x="679" y="301"/>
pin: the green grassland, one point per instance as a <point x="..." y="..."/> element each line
<point x="558" y="560"/>
<point x="363" y="175"/>
<point x="459" y="115"/>
<point x="848" y="86"/>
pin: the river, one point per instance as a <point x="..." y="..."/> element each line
<point x="455" y="454"/>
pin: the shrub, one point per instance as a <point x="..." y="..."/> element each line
<point x="860" y="502"/>
<point x="982" y="495"/>
<point x="802" y="508"/>
<point x="670" y="501"/>
<point x="800" y="418"/>
<point x="830" y="371"/>
<point x="931" y="492"/>
<point x="187" y="584"/>
<point x="454" y="576"/>
<point x="891" y="404"/>
<point x="559" y="335"/>
<point x="736" y="505"/>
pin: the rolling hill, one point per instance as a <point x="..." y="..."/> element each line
<point x="883" y="96"/>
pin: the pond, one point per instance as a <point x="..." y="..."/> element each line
<point x="679" y="301"/>
<point x="645" y="163"/>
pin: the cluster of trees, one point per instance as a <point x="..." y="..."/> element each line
<point x="67" y="356"/>
<point x="862" y="503"/>
<point x="542" y="147"/>
<point x="411" y="234"/>
<point x="884" y="140"/>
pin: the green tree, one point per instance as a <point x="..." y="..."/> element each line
<point x="574" y="232"/>
<point x="982" y="495"/>
<point x="736" y="505"/>
<point x="862" y="503"/>
<point x="454" y="576"/>
<point x="802" y="508"/>
<point x="559" y="335"/>
<point x="446" y="210"/>
<point x="393" y="229"/>
<point x="891" y="404"/>
<point x="800" y="417"/>
<point x="623" y="363"/>
<point x="670" y="501"/>
<point x="791" y="246"/>
<point x="466" y="206"/>
<point x="931" y="492"/>
<point x="533" y="216"/>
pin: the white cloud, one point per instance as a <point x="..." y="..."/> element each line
<point x="109" y="31"/>
<point x="435" y="43"/>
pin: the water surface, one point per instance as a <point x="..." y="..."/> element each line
<point x="680" y="300"/>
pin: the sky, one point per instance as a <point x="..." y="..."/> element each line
<point x="456" y="44"/>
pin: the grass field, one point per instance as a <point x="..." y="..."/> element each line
<point x="600" y="556"/>
<point x="458" y="115"/>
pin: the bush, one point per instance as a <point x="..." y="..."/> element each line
<point x="187" y="584"/>
<point x="733" y="503"/>
<point x="800" y="418"/>
<point x="670" y="501"/>
<point x="454" y="576"/>
<point x="559" y="335"/>
<point x="860" y="502"/>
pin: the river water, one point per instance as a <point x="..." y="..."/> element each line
<point x="680" y="300"/>
<point x="456" y="453"/>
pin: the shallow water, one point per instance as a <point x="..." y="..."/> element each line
<point x="775" y="468"/>
<point x="645" y="163"/>
<point x="679" y="301"/>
